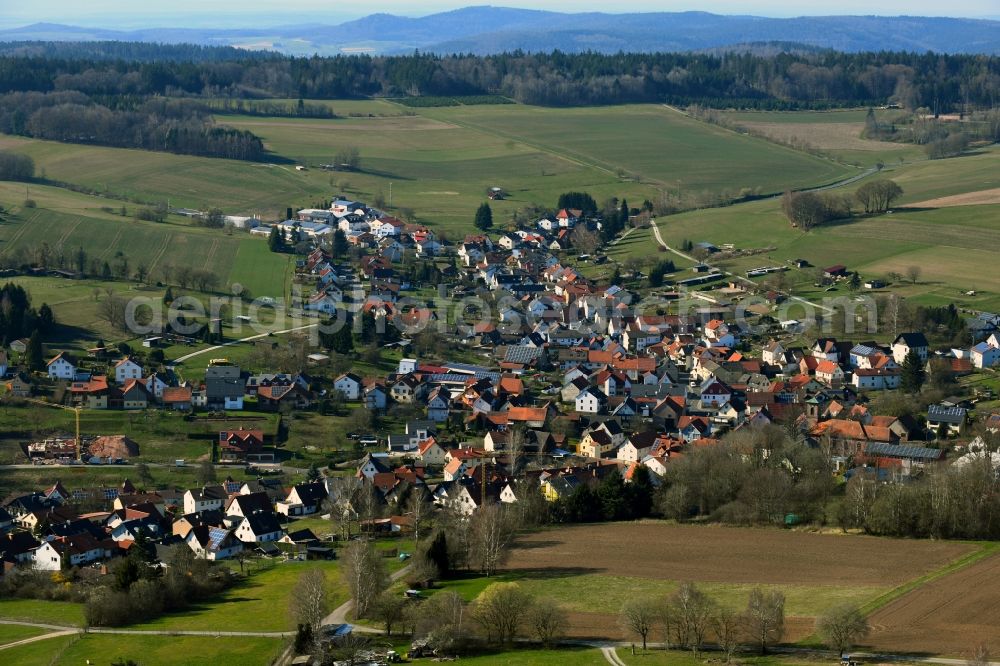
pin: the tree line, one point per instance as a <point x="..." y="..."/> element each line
<point x="152" y="125"/>
<point x="689" y="618"/>
<point x="779" y="81"/>
<point x="16" y="166"/>
<point x="810" y="209"/>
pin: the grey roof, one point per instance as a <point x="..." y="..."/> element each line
<point x="465" y="368"/>
<point x="863" y="350"/>
<point x="522" y="354"/>
<point x="456" y="378"/>
<point x="903" y="451"/>
<point x="942" y="414"/>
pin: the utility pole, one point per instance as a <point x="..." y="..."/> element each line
<point x="390" y="194"/>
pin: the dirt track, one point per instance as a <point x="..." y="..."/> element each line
<point x="967" y="199"/>
<point x="950" y="615"/>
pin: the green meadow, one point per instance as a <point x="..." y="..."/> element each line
<point x="435" y="164"/>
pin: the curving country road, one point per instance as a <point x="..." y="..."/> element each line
<point x="339" y="614"/>
<point x="206" y="350"/>
<point x="659" y="239"/>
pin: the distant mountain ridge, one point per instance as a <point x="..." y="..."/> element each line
<point x="486" y="30"/>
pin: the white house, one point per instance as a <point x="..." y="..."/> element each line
<point x="77" y="550"/>
<point x="872" y="379"/>
<point x="127" y="369"/>
<point x="907" y="342"/>
<point x="303" y="499"/>
<point x="636" y="447"/>
<point x="985" y="355"/>
<point x="62" y="366"/>
<point x="259" y="527"/>
<point x="204" y="499"/>
<point x="349" y="385"/>
<point x="322" y="301"/>
<point x="591" y="401"/>
<point x="455" y="469"/>
<point x="431" y="453"/>
<point x="213" y="543"/>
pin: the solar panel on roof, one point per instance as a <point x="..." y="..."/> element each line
<point x="903" y="451"/>
<point x="216" y="535"/>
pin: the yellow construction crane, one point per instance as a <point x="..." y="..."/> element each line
<point x="76" y="410"/>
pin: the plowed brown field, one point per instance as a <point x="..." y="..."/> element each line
<point x="592" y="569"/>
<point x="733" y="555"/>
<point x="950" y="615"/>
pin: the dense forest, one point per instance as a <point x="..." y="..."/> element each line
<point x="152" y="124"/>
<point x="783" y="81"/>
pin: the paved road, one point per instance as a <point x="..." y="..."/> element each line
<point x="61" y="630"/>
<point x="181" y="359"/>
<point x="611" y="656"/>
<point x="659" y="239"/>
<point x="339" y="614"/>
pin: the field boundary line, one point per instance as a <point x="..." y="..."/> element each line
<point x="765" y="138"/>
<point x="211" y="252"/>
<point x="23" y="229"/>
<point x="566" y="155"/>
<point x="42" y="637"/>
<point x="167" y="238"/>
<point x="986" y="550"/>
<point x="114" y="241"/>
<point x="69" y="232"/>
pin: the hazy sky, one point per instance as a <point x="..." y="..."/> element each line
<point x="222" y="13"/>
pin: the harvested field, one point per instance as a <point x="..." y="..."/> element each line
<point x="732" y="555"/>
<point x="982" y="197"/>
<point x="950" y="615"/>
<point x="592" y="569"/>
<point x="825" y="136"/>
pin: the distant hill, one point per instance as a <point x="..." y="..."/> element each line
<point x="487" y="30"/>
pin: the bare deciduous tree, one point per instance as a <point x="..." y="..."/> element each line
<point x="364" y="573"/>
<point x="842" y="627"/>
<point x="389" y="609"/>
<point x="639" y="616"/>
<point x="418" y="508"/>
<point x="546" y="620"/>
<point x="501" y="609"/>
<point x="308" y="602"/>
<point x="765" y="617"/>
<point x="980" y="656"/>
<point x="694" y="612"/>
<point x="727" y="625"/>
<point x="491" y="529"/>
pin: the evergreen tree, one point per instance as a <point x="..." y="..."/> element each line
<point x="343" y="341"/>
<point x="34" y="354"/>
<point x="913" y="373"/>
<point x="855" y="282"/>
<point x="168" y="296"/>
<point x="623" y="215"/>
<point x="484" y="217"/>
<point x="340" y="246"/>
<point x="275" y="241"/>
<point x="437" y="552"/>
<point x="46" y="320"/>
